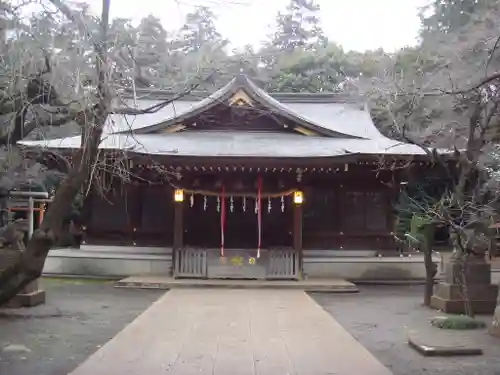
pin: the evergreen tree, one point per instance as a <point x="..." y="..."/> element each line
<point x="199" y="31"/>
<point x="298" y="27"/>
<point x="122" y="41"/>
<point x="197" y="51"/>
<point x="150" y="51"/>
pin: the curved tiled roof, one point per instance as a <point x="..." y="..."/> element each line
<point x="240" y="144"/>
<point x="242" y="82"/>
<point x="344" y="128"/>
<point x="342" y="118"/>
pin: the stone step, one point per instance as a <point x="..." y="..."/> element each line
<point x="310" y="285"/>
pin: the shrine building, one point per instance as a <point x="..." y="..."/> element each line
<point x="243" y="184"/>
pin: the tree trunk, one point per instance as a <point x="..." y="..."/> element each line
<point x="30" y="265"/>
<point x="430" y="272"/>
<point x="463" y="282"/>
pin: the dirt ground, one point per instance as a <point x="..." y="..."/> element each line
<point x="78" y="318"/>
<point x="378" y="318"/>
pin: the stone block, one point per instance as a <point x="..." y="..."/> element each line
<point x="448" y="296"/>
<point x="458" y="306"/>
<point x="27" y="300"/>
<point x="441" y="343"/>
<point x="477" y="271"/>
<point x="453" y="292"/>
<point x="30" y="296"/>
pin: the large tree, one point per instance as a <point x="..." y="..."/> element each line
<point x="91" y="115"/>
<point x="30" y="93"/>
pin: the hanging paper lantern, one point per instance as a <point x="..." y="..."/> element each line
<point x="218" y="204"/>
<point x="231" y="204"/>
<point x="269" y="205"/>
<point x="282" y="203"/>
<point x="244" y="204"/>
<point x="191" y="200"/>
<point x="205" y="203"/>
<point x="256" y="206"/>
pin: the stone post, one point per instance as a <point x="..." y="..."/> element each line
<point x="448" y="296"/>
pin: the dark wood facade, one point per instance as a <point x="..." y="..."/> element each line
<point x="348" y="208"/>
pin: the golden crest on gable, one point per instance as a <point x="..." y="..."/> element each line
<point x="240" y="98"/>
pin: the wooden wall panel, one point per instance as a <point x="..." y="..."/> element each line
<point x="348" y="217"/>
<point x="156" y="214"/>
<point x="110" y="217"/>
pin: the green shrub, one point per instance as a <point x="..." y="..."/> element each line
<point x="457" y="322"/>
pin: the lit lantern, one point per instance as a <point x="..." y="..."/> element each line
<point x="179" y="195"/>
<point x="298" y="197"/>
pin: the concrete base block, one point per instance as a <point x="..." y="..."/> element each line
<point x="31" y="296"/>
<point x="458" y="306"/>
<point x="27" y="300"/>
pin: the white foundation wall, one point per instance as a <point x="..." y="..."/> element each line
<point x="363" y="265"/>
<point x="109" y="261"/>
<point x="122" y="261"/>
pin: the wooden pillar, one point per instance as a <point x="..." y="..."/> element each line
<point x="135" y="198"/>
<point x="178" y="236"/>
<point x="178" y="239"/>
<point x="297" y="232"/>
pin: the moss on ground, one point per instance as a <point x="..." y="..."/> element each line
<point x="457" y="322"/>
<point x="76" y="281"/>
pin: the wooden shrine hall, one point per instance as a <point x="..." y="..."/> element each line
<point x="243" y="183"/>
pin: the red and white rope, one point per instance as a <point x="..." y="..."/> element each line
<point x="259" y="215"/>
<point x="222" y="220"/>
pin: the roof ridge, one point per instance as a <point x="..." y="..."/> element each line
<point x="284" y="97"/>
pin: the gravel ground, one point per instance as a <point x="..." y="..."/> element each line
<point x="78" y="318"/>
<point x="378" y="318"/>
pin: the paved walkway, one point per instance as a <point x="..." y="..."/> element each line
<point x="233" y="332"/>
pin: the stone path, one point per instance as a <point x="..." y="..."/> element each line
<point x="233" y="332"/>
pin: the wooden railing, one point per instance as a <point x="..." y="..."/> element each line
<point x="283" y="264"/>
<point x="278" y="264"/>
<point x="190" y="263"/>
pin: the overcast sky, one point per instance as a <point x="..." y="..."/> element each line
<point x="355" y="24"/>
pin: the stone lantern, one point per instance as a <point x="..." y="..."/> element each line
<point x="448" y="295"/>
